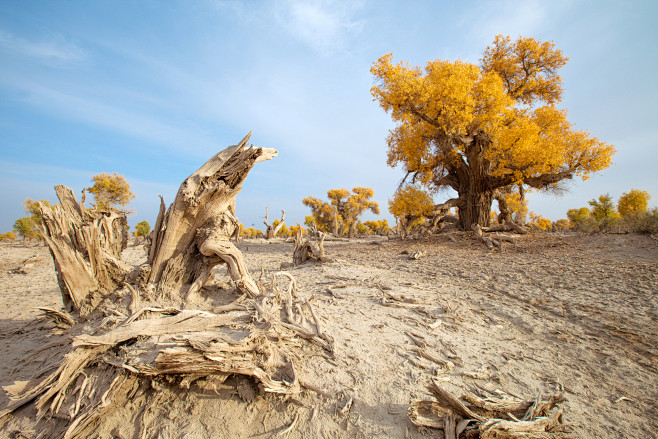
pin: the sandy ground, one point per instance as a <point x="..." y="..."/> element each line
<point x="579" y="312"/>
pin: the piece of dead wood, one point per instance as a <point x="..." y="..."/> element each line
<point x="427" y="414"/>
<point x="86" y="247"/>
<point x="542" y="427"/>
<point x="270" y="230"/>
<point x="506" y="227"/>
<point x="444" y="364"/>
<point x="447" y="399"/>
<point x="504" y="403"/>
<point x="308" y="250"/>
<point x="488" y="242"/>
<point x="152" y="337"/>
<point x="540" y="420"/>
<point x="290" y="427"/>
<point x="61" y="319"/>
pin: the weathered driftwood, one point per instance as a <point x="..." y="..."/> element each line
<point x="270" y="230"/>
<point x="506" y="226"/>
<point x="494" y="417"/>
<point x="492" y="240"/>
<point x="307" y="249"/>
<point x="195" y="233"/>
<point x="86" y="248"/>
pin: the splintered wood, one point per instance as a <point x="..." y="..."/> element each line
<point x="86" y="249"/>
<point x="307" y="249"/>
<point x="135" y="335"/>
<point x="493" y="417"/>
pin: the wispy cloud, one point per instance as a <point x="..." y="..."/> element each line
<point x="325" y="26"/>
<point x="54" y="50"/>
<point x="84" y="106"/>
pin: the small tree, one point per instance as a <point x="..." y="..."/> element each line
<point x="341" y="213"/>
<point x="110" y="191"/>
<point x="26" y="228"/>
<point x="633" y="203"/>
<point x="410" y="205"/>
<point x="603" y="211"/>
<point x="142" y="230"/>
<point x="9" y="236"/>
<point x="539" y="222"/>
<point x="561" y="225"/>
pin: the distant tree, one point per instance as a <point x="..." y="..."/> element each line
<point x="110" y="191"/>
<point x="380" y="227"/>
<point x="410" y="204"/>
<point x="341" y="213"/>
<point x="539" y="222"/>
<point x="26" y="228"/>
<point x="603" y="210"/>
<point x="481" y="129"/>
<point x="293" y="230"/>
<point x="633" y="203"/>
<point x="9" y="236"/>
<point x="142" y="230"/>
<point x="561" y="225"/>
<point x="32" y="207"/>
<point x="581" y="219"/>
<point x="250" y="233"/>
<point x="323" y="214"/>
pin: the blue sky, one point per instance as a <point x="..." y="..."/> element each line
<point x="152" y="89"/>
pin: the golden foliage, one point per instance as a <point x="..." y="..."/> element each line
<point x="518" y="207"/>
<point x="110" y="190"/>
<point x="561" y="225"/>
<point x="540" y="222"/>
<point x="633" y="203"/>
<point x="411" y="201"/>
<point x="343" y="209"/>
<point x="479" y="128"/>
<point x="9" y="236"/>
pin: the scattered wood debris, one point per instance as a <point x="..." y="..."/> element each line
<point x="498" y="416"/>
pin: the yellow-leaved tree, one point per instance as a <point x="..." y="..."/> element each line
<point x="410" y="204"/>
<point x="340" y="214"/>
<point x="481" y="128"/>
<point x="110" y="191"/>
<point x="633" y="203"/>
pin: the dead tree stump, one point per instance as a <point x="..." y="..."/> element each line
<point x="308" y="250"/>
<point x="86" y="249"/>
<point x="194" y="234"/>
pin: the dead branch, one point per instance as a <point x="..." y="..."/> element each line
<point x="271" y="231"/>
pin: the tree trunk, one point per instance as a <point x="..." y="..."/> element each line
<point x="474" y="192"/>
<point x="270" y="230"/>
<point x="476" y="209"/>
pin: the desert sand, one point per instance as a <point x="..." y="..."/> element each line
<point x="565" y="311"/>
